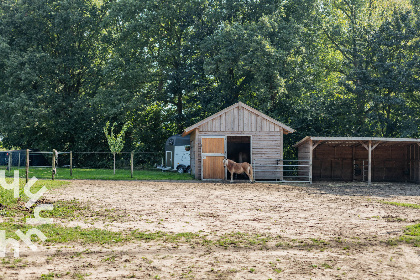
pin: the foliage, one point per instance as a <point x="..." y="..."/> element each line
<point x="323" y="67"/>
<point x="115" y="141"/>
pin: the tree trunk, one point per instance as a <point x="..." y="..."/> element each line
<point x="179" y="108"/>
<point x="114" y="163"/>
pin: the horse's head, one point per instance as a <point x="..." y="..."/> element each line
<point x="225" y="162"/>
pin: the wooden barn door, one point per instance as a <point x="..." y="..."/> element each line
<point x="213" y="151"/>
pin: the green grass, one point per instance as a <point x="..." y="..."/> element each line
<point x="239" y="239"/>
<point x="9" y="204"/>
<point x="61" y="234"/>
<point x="409" y="205"/>
<point x="102" y="174"/>
<point x="412" y="235"/>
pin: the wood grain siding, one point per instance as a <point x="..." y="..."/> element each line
<point x="223" y="122"/>
<point x="413" y="162"/>
<point x="213" y="168"/>
<point x="212" y="145"/>
<point x="304" y="154"/>
<point x="193" y="149"/>
<point x="266" y="148"/>
<point x="241" y="120"/>
<point x="259" y="128"/>
<point x="247" y="126"/>
<point x="349" y="162"/>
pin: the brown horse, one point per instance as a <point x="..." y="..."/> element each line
<point x="238" y="168"/>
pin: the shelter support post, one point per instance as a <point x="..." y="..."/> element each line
<point x="418" y="165"/>
<point x="311" y="148"/>
<point x="370" y="163"/>
<point x="369" y="148"/>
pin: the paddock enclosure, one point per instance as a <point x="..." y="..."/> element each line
<point x="369" y="159"/>
<point x="242" y="134"/>
<point x="232" y="231"/>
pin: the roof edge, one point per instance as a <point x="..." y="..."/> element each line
<point x="380" y="139"/>
<point x="189" y="129"/>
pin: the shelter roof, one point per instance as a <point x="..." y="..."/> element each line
<point x="358" y="140"/>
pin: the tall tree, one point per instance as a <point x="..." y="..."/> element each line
<point x="394" y="76"/>
<point x="156" y="43"/>
<point x="51" y="72"/>
<point x="349" y="27"/>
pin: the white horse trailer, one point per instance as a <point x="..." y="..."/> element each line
<point x="177" y="153"/>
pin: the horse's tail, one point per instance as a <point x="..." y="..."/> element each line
<point x="251" y="173"/>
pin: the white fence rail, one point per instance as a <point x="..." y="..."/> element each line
<point x="289" y="171"/>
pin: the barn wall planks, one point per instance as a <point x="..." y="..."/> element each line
<point x="304" y="155"/>
<point x="390" y="162"/>
<point x="193" y="154"/>
<point x="240" y="119"/>
<point x="265" y="148"/>
<point x="413" y="158"/>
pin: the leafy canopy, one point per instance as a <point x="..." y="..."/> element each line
<point x="115" y="142"/>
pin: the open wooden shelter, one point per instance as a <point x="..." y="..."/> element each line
<point x="239" y="133"/>
<point x="361" y="158"/>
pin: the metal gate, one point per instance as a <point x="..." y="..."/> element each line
<point x="283" y="170"/>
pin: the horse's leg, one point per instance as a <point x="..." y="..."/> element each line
<point x="231" y="176"/>
<point x="250" y="174"/>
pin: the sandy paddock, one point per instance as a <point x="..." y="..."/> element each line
<point x="347" y="224"/>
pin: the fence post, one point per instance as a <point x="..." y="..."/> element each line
<point x="27" y="165"/>
<point x="71" y="163"/>
<point x="132" y="163"/>
<point x="53" y="165"/>
<point x="9" y="167"/>
<point x="19" y="161"/>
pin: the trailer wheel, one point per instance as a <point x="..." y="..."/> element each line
<point x="180" y="169"/>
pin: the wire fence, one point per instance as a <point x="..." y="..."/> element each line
<point x="141" y="160"/>
<point x="51" y="160"/>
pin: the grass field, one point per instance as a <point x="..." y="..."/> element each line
<point x="101" y="174"/>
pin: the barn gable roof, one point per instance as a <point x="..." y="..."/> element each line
<point x="286" y="129"/>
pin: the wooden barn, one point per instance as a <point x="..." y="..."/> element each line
<point x="240" y="133"/>
<point x="360" y="159"/>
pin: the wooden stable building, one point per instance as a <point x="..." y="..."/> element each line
<point x="239" y="133"/>
<point x="360" y="159"/>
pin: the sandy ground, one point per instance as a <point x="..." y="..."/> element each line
<point x="348" y="218"/>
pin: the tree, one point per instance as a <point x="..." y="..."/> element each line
<point x="115" y="142"/>
<point x="352" y="30"/>
<point x="156" y="48"/>
<point x="394" y="76"/>
<point x="52" y="70"/>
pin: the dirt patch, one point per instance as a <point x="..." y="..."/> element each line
<point x="346" y="223"/>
